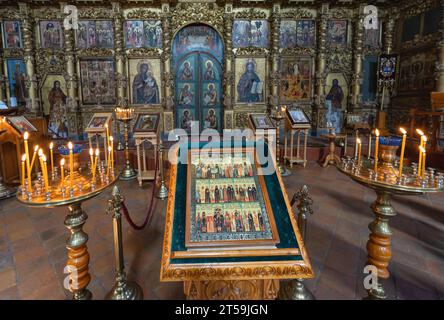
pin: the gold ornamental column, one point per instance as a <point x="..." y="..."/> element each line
<point x="320" y="59"/>
<point x="275" y="54"/>
<point x="357" y="62"/>
<point x="70" y="75"/>
<point x="228" y="75"/>
<point x="168" y="83"/>
<point x="3" y="79"/>
<point x="440" y="65"/>
<point x="28" y="47"/>
<point x="119" y="55"/>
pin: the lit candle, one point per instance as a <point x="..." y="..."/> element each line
<point x="42" y="166"/>
<point x="401" y="159"/>
<point x="71" y="164"/>
<point x="23" y="169"/>
<point x="358" y="141"/>
<point x="109" y="159"/>
<point x="51" y="145"/>
<point x="424" y="145"/>
<point x="369" y="145"/>
<point x="36" y="149"/>
<point x="111" y="141"/>
<point x="25" y="138"/>
<point x="421" y="169"/>
<point x="376" y="149"/>
<point x="91" y="158"/>
<point x="95" y="163"/>
<point x="107" y="141"/>
<point x="62" y="169"/>
<point x="45" y="173"/>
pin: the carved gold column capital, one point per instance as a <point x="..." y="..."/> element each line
<point x="439" y="65"/>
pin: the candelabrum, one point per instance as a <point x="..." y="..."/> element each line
<point x="123" y="289"/>
<point x="278" y="116"/>
<point x="71" y="193"/>
<point x="125" y="115"/>
<point x="385" y="180"/>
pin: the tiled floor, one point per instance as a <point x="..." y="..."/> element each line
<point x="32" y="243"/>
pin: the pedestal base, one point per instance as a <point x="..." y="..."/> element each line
<point x="295" y="290"/>
<point x="128" y="173"/>
<point x="232" y="289"/>
<point x="125" y="291"/>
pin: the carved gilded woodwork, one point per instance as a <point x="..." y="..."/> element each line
<point x="46" y="14"/>
<point x="144" y="53"/>
<point x="142" y="14"/>
<point x="241" y="119"/>
<point x="186" y="13"/>
<point x="49" y="61"/>
<point x="298" y="13"/>
<point x="251" y="14"/>
<point x="9" y="14"/>
<point x="95" y="52"/>
<point x="93" y="13"/>
<point x="232" y="290"/>
<point x="251" y="51"/>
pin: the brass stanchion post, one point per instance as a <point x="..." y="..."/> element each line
<point x="123" y="289"/>
<point x="295" y="289"/>
<point x="162" y="193"/>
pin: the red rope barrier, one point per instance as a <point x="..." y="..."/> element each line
<point x="149" y="214"/>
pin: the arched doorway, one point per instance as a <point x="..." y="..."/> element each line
<point x="197" y="64"/>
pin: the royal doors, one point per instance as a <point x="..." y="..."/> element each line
<point x="197" y="59"/>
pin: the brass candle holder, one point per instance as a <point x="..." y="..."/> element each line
<point x="386" y="182"/>
<point x="278" y="116"/>
<point x="61" y="193"/>
<point x="125" y="115"/>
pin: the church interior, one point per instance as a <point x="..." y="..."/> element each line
<point x="214" y="150"/>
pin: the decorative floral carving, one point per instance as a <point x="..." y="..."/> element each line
<point x="298" y="13"/>
<point x="186" y="13"/>
<point x="298" y="51"/>
<point x="96" y="13"/>
<point x="241" y="120"/>
<point x="95" y="52"/>
<point x="142" y="14"/>
<point x="143" y="52"/>
<point x="49" y="61"/>
<point x="8" y="14"/>
<point x="13" y="52"/>
<point x="46" y="14"/>
<point x="251" y="14"/>
<point x="247" y="51"/>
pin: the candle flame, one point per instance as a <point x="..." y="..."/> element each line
<point x="40" y="152"/>
<point x="91" y="151"/>
<point x="402" y="130"/>
<point x="36" y="148"/>
<point x="97" y="152"/>
<point x="424" y="137"/>
<point x="106" y="125"/>
<point x="51" y="145"/>
<point x="422" y="149"/>
<point x="44" y="158"/>
<point x="111" y="138"/>
<point x="24" y="157"/>
<point x="419" y="131"/>
<point x="110" y="147"/>
<point x="26" y="135"/>
<point x="358" y="140"/>
<point x="377" y="132"/>
<point x="62" y="162"/>
<point x="70" y="145"/>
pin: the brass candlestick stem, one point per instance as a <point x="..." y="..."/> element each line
<point x="60" y="194"/>
<point x="278" y="117"/>
<point x="125" y="115"/>
<point x="123" y="289"/>
<point x="386" y="183"/>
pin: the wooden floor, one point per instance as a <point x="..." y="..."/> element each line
<point x="32" y="251"/>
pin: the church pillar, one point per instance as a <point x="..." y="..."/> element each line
<point x="119" y="55"/>
<point x="440" y="64"/>
<point x="228" y="76"/>
<point x="28" y="46"/>
<point x="320" y="62"/>
<point x="168" y="77"/>
<point x="357" y="62"/>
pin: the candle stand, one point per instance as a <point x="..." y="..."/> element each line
<point x="278" y="116"/>
<point x="63" y="194"/>
<point x="385" y="181"/>
<point x="125" y="115"/>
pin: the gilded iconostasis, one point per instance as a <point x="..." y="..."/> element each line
<point x="215" y="61"/>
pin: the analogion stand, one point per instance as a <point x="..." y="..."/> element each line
<point x="296" y="123"/>
<point x="141" y="138"/>
<point x="99" y="127"/>
<point x="262" y="127"/>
